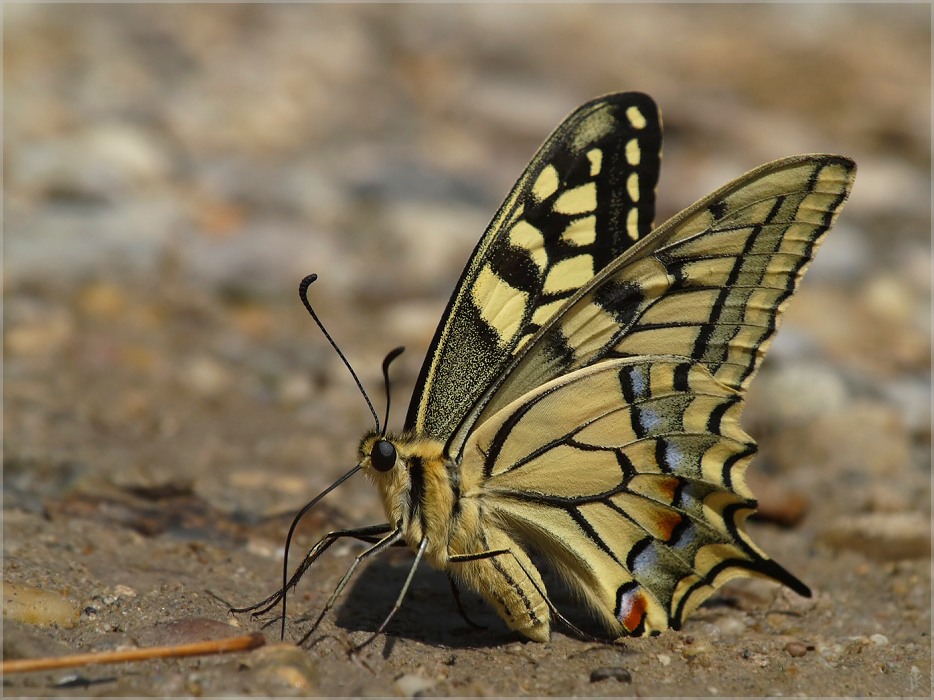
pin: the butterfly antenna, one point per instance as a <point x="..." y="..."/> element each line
<point x="303" y="293"/>
<point x="393" y="354"/>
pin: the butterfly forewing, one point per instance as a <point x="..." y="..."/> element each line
<point x="585" y="198"/>
<point x="709" y="285"/>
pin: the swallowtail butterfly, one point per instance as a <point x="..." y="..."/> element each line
<point x="581" y="398"/>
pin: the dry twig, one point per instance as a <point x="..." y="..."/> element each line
<point x="217" y="646"/>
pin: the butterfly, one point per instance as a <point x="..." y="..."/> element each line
<point x="580" y="401"/>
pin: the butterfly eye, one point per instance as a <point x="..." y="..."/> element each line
<point x="383" y="455"/>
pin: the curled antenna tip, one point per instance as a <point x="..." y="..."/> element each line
<point x="305" y="283"/>
<point x="390" y="356"/>
<point x="303" y="294"/>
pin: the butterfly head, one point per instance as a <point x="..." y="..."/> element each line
<point x="383" y="460"/>
<point x="403" y="467"/>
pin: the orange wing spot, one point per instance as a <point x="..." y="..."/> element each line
<point x="666" y="522"/>
<point x="632" y="607"/>
<point x="667" y="486"/>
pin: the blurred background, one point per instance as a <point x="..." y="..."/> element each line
<point x="172" y="171"/>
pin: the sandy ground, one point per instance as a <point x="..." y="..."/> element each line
<point x="172" y="172"/>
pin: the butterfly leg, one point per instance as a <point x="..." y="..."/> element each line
<point x="398" y="604"/>
<point x="383" y="544"/>
<point x="462" y="558"/>
<point x="460" y="607"/>
<point x="366" y="534"/>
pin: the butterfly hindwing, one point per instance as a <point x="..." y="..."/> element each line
<point x="628" y="476"/>
<point x="586" y="197"/>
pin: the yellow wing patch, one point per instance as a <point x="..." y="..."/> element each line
<point x="501" y="304"/>
<point x="580" y="200"/>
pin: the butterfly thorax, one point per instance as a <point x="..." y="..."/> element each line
<point x="417" y="494"/>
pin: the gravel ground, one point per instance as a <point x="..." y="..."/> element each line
<point x="171" y="172"/>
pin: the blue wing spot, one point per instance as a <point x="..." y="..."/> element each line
<point x="674" y="457"/>
<point x="684" y="536"/>
<point x="633" y="382"/>
<point x="646" y="559"/>
<point x="649" y="420"/>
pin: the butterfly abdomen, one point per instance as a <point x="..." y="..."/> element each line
<point x="486" y="559"/>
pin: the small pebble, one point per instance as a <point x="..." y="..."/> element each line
<point x="778" y="503"/>
<point x="664" y="659"/>
<point x="796" y="649"/>
<point x="800" y="392"/>
<point x="410" y="684"/>
<point x="35" y="606"/>
<point x="616" y="673"/>
<point x="206" y="376"/>
<point x="190" y="629"/>
<point x="884" y="536"/>
<point x="42" y="335"/>
<point x="102" y="300"/>
<point x="696" y="649"/>
<point x="758" y="658"/>
<point x="889" y="296"/>
<point x="122" y="591"/>
<point x="730" y="625"/>
<point x="284" y="666"/>
<point x="831" y="652"/>
<point x="294" y="389"/>
<point x="880" y="640"/>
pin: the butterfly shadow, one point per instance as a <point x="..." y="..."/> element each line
<point x="429" y="612"/>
